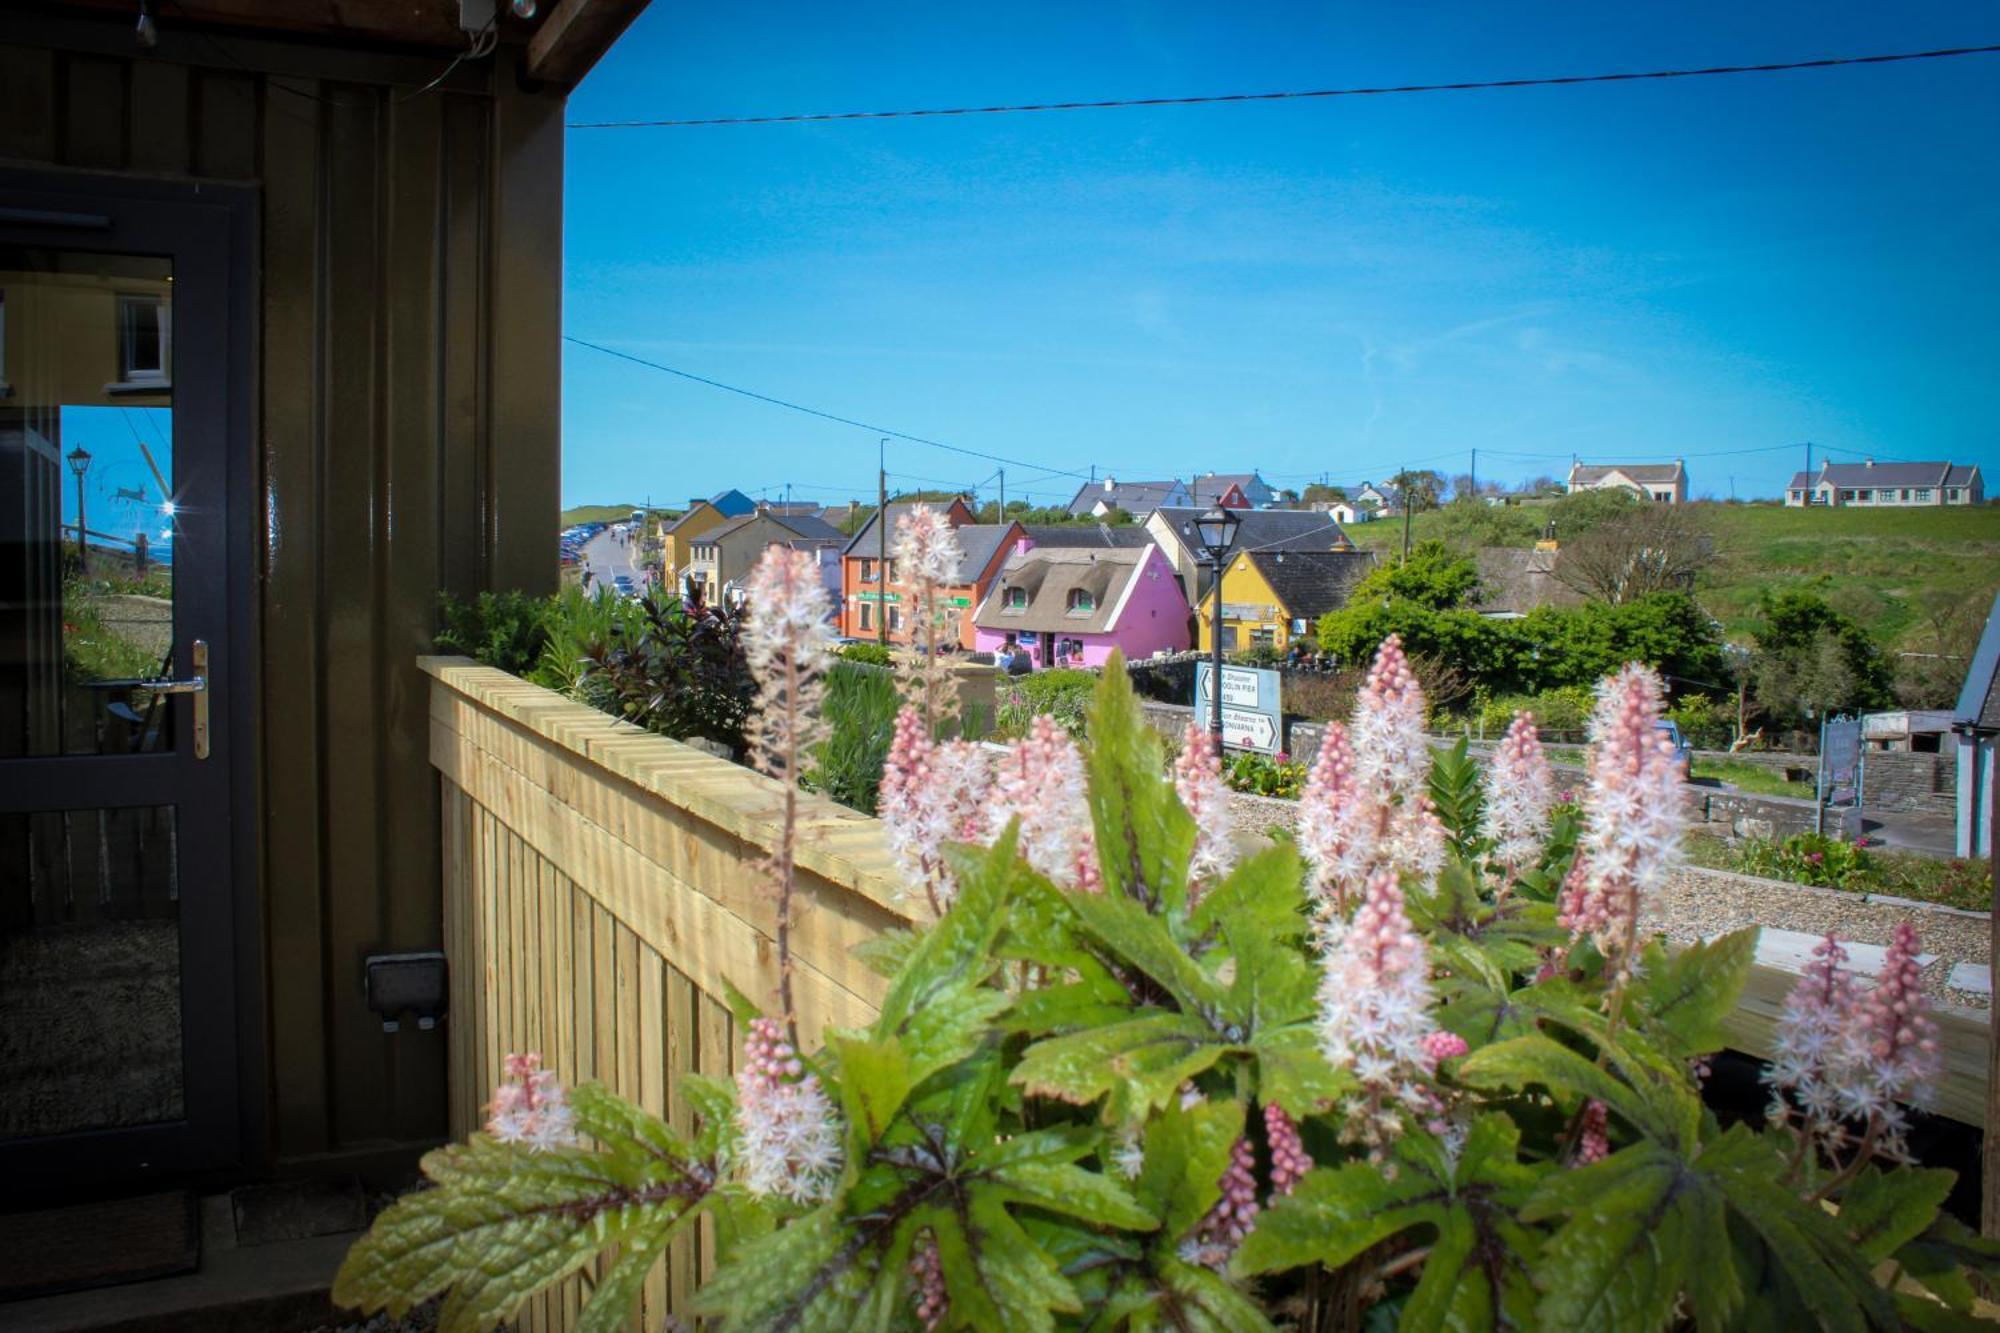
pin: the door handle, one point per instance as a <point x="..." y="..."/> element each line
<point x="197" y="685"/>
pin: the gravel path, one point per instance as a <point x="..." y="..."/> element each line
<point x="1703" y="902"/>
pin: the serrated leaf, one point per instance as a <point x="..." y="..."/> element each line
<point x="1685" y="996"/>
<point x="1622" y="1259"/>
<point x="875" y="1080"/>
<point x="995" y="1276"/>
<point x="790" y="1278"/>
<point x="1064" y="1188"/>
<point x="1203" y="1301"/>
<point x="1144" y="837"/>
<point x="956" y="952"/>
<point x="1143" y="1060"/>
<point x="888" y="951"/>
<point x="1294" y="1073"/>
<point x="1136" y="937"/>
<point x="1884" y="1210"/>
<point x="1535" y="1059"/>
<point x="1335" y="1213"/>
<point x="1948" y="1256"/>
<point x="611" y="1304"/>
<point x="1265" y="894"/>
<point x="1186" y="1151"/>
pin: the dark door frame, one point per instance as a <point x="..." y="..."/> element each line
<point x="212" y="231"/>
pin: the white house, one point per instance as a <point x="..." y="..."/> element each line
<point x="1886" y="485"/>
<point x="1382" y="499"/>
<point x="1663" y="483"/>
<point x="1095" y="499"/>
<point x="1343" y="511"/>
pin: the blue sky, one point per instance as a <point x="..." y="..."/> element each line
<point x="1690" y="269"/>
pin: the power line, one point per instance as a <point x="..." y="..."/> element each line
<point x="815" y="412"/>
<point x="1478" y="85"/>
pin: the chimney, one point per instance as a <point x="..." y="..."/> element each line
<point x="1868" y="462"/>
<point x="1110" y="484"/>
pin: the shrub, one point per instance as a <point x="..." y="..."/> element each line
<point x="1264" y="776"/>
<point x="1258" y="655"/>
<point x="860" y="708"/>
<point x="1564" y="710"/>
<point x="1808" y="858"/>
<point x="1062" y="693"/>
<point x="870" y="654"/>
<point x="499" y="629"/>
<point x="1320" y="695"/>
<point x="1708" y="724"/>
<point x="678" y="670"/>
<point x="574" y="621"/>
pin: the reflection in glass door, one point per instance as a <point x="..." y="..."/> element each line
<point x="119" y="988"/>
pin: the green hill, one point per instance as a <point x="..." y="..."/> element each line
<point x="1888" y="568"/>
<point x="605" y="513"/>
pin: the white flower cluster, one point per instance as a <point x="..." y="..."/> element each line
<point x="1198" y="782"/>
<point x="1520" y="790"/>
<point x="787" y="1136"/>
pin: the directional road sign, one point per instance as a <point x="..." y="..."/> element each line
<point x="1251" y="716"/>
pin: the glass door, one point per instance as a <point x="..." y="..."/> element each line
<point x="119" y="993"/>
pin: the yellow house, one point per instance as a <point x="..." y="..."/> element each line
<point x="677" y="538"/>
<point x="1271" y="598"/>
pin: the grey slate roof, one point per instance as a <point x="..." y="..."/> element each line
<point x="1270" y="529"/>
<point x="1848" y="476"/>
<point x="1101" y="535"/>
<point x="1050" y="574"/>
<point x="1138" y="498"/>
<point x="863" y="542"/>
<point x="1311" y="583"/>
<point x="1643" y="473"/>
<point x="1206" y="488"/>
<point x="1979" y="699"/>
<point x="1514" y="579"/>
<point x="979" y="541"/>
<point x="731" y="503"/>
<point x="802" y="525"/>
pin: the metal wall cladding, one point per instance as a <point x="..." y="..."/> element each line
<point x="408" y="441"/>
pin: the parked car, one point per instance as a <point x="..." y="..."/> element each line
<point x="1683" y="752"/>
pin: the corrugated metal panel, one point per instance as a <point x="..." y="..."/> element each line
<point x="410" y="440"/>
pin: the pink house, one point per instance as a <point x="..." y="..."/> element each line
<point x="1070" y="606"/>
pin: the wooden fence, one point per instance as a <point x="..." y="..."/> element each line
<point x="602" y="883"/>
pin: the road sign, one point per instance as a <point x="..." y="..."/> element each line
<point x="1251" y="716"/>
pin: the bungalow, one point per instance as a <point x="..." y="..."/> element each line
<point x="1270" y="598"/>
<point x="1096" y="499"/>
<point x="1886" y="485"/>
<point x="1382" y="499"/>
<point x="1070" y="606"/>
<point x="874" y="598"/>
<point x="1663" y="483"/>
<point x="1288" y="530"/>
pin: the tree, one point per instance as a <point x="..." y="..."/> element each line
<point x="1810" y="660"/>
<point x="1648" y="548"/>
<point x="1931" y="669"/>
<point x="1321" y="494"/>
<point x="1418" y="490"/>
<point x="1466" y="526"/>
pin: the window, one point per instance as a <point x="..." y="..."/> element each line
<point x="894" y="577"/>
<point x="868" y="615"/>
<point x="1014" y="599"/>
<point x="1847" y="497"/>
<point x="1081" y="603"/>
<point x="895" y="618"/>
<point x="1951" y="492"/>
<point x="1923" y="495"/>
<point x="142" y="340"/>
<point x="867" y="571"/>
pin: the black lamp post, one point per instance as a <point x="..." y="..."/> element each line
<point x="1217" y="532"/>
<point x="79" y="463"/>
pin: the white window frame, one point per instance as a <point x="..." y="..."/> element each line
<point x="132" y="376"/>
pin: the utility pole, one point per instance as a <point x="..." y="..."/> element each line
<point x="1475" y="474"/>
<point x="1003" y="495"/>
<point x="1409" y="502"/>
<point x="882" y="542"/>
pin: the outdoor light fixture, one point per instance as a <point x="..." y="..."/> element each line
<point x="79" y="463"/>
<point x="147" y="32"/>
<point x="1217" y="532"/>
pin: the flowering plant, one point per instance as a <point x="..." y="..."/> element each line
<point x="1417" y="1068"/>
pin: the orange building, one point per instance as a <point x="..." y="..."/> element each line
<point x="868" y="590"/>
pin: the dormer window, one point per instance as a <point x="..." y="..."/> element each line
<point x="1081" y="603"/>
<point x="1014" y="599"/>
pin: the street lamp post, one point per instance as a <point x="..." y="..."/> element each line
<point x="79" y="463"/>
<point x="1216" y="531"/>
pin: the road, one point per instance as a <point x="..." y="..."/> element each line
<point x="605" y="557"/>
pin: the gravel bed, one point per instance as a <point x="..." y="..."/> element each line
<point x="1702" y="902"/>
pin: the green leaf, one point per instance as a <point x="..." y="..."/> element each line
<point x="875" y="1080"/>
<point x="791" y="1278"/>
<point x="1335" y="1213"/>
<point x="1063" y="1188"/>
<point x="1535" y="1059"/>
<point x="1144" y="837"/>
<point x="1948" y="1256"/>
<point x="1926" y="1316"/>
<point x="503" y="1222"/>
<point x="1884" y="1210"/>
<point x="1136" y="937"/>
<point x="995" y="1275"/>
<point x="887" y="952"/>
<point x="1144" y="1060"/>
<point x="956" y="952"/>
<point x="611" y="1305"/>
<point x="1687" y="995"/>
<point x="1622" y="1259"/>
<point x="1187" y="1150"/>
<point x="1202" y="1301"/>
<point x="1292" y="1071"/>
<point x="1455" y="791"/>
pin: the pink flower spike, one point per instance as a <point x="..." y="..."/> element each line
<point x="1374" y="1017"/>
<point x="1520" y="791"/>
<point x="1289" y="1159"/>
<point x="531" y="1106"/>
<point x="788" y="1140"/>
<point x="1593" y="1142"/>
<point x="1222" y="1229"/>
<point x="1041" y="780"/>
<point x="1198" y="781"/>
<point x="1442" y="1046"/>
<point x="931" y="795"/>
<point x="786" y="643"/>
<point x="1339" y="824"/>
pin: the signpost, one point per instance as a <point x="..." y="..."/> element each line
<point x="1251" y="716"/>
<point x="1839" y="767"/>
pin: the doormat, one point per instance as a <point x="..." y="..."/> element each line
<point x="98" y="1244"/>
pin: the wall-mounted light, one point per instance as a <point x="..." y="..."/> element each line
<point x="148" y="33"/>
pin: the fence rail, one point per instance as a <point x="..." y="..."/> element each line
<point x="601" y="884"/>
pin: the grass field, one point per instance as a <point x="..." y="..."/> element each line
<point x="1880" y="566"/>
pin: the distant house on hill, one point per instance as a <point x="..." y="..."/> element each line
<point x="1384" y="500"/>
<point x="1886" y="485"/>
<point x="1138" y="498"/>
<point x="1073" y="605"/>
<point x="1662" y="483"/>
<point x="1235" y="489"/>
<point x="1514" y="581"/>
